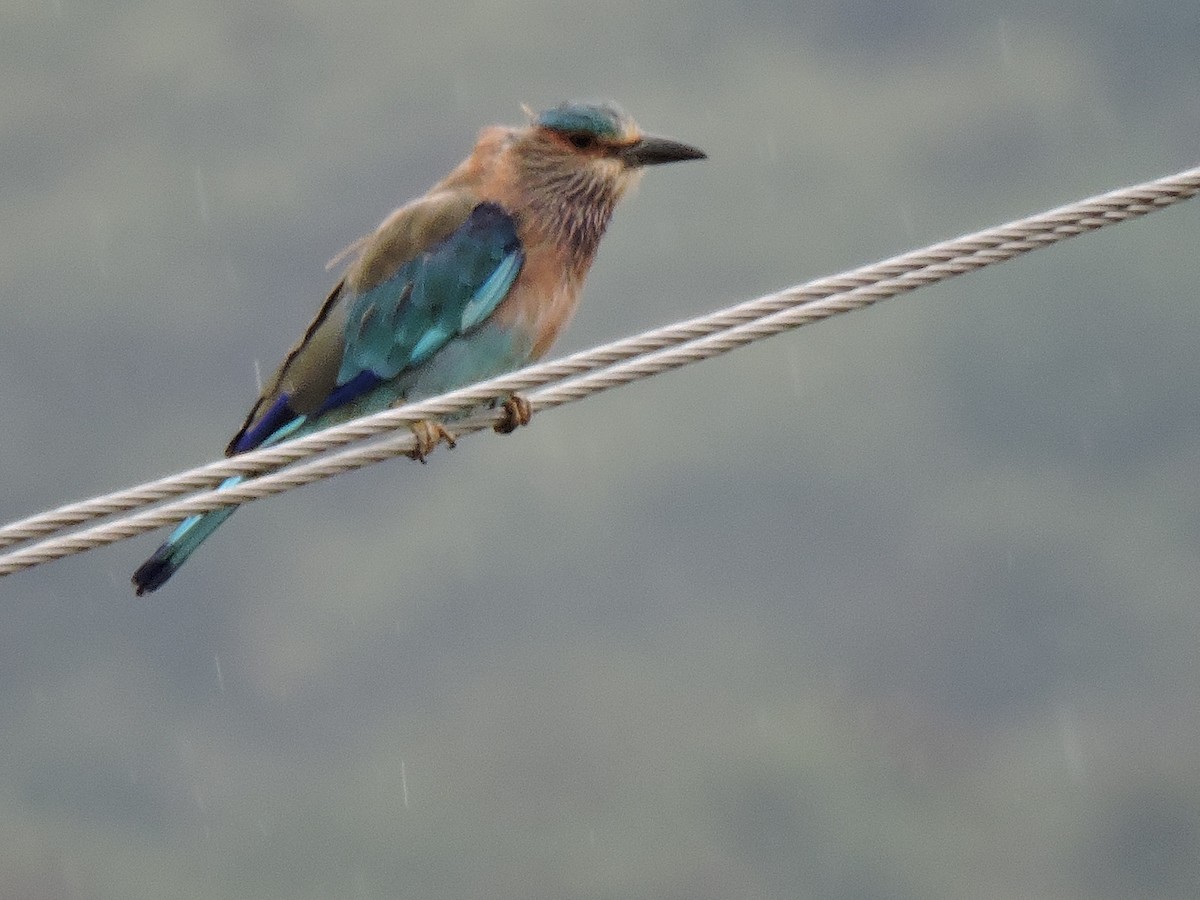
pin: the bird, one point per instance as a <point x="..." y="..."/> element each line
<point x="473" y="279"/>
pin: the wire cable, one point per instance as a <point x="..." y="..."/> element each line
<point x="574" y="377"/>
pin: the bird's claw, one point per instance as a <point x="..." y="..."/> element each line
<point x="429" y="434"/>
<point x="517" y="412"/>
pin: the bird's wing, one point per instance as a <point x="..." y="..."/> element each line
<point x="433" y="271"/>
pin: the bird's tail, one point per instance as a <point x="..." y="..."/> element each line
<point x="175" y="550"/>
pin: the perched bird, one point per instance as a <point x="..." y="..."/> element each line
<point x="474" y="279"/>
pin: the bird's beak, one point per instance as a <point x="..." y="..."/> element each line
<point x="652" y="151"/>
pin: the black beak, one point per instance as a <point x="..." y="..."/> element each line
<point x="653" y="151"/>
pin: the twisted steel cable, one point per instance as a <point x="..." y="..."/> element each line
<point x="385" y="435"/>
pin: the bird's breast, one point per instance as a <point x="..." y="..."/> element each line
<point x="542" y="299"/>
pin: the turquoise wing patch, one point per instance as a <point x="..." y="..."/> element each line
<point x="444" y="292"/>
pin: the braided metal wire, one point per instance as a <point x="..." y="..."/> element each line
<point x="281" y="468"/>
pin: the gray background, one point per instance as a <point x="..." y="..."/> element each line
<point x="903" y="605"/>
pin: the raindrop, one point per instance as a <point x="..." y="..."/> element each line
<point x="199" y="798"/>
<point x="1006" y="55"/>
<point x="101" y="240"/>
<point x="907" y="223"/>
<point x="1072" y="748"/>
<point x="770" y="148"/>
<point x="231" y="277"/>
<point x="796" y="369"/>
<point x="201" y="197"/>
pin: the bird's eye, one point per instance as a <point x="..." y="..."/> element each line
<point x="582" y="141"/>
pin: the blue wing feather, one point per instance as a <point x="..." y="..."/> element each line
<point x="442" y="293"/>
<point x="489" y="295"/>
<point x="400" y="323"/>
<point x="445" y="291"/>
<point x="275" y="418"/>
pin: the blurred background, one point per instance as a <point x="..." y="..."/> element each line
<point x="903" y="605"/>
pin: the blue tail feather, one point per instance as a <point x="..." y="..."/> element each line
<point x="182" y="543"/>
<point x="194" y="530"/>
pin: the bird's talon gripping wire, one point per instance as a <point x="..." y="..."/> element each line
<point x="517" y="412"/>
<point x="429" y="434"/>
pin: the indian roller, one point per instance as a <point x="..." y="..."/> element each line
<point x="472" y="280"/>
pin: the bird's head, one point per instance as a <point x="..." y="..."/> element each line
<point x="573" y="162"/>
<point x="601" y="140"/>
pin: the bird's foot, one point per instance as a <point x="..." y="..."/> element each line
<point x="517" y="412"/>
<point x="429" y="434"/>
